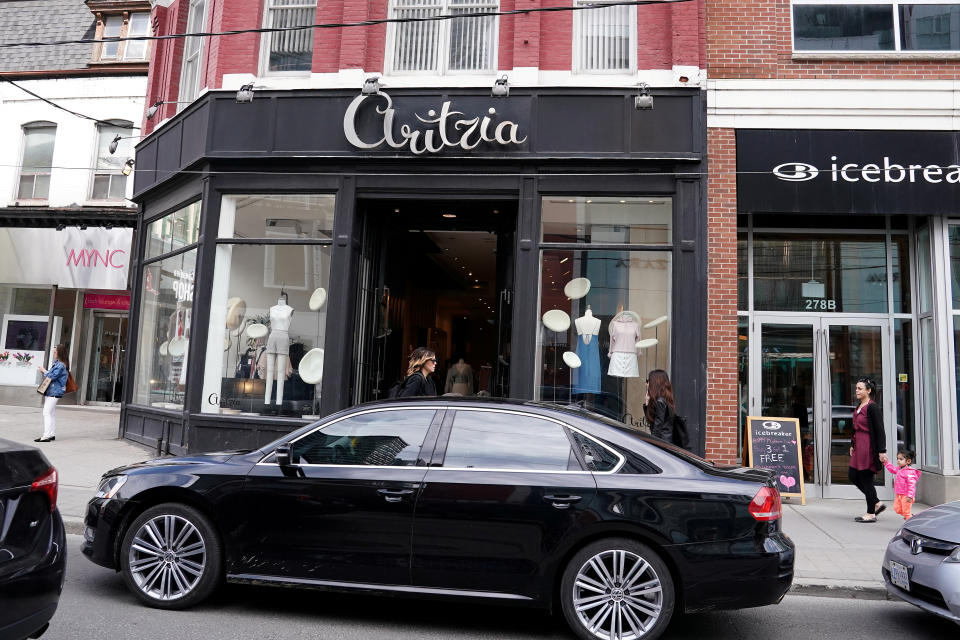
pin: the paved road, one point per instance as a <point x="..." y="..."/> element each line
<point x="96" y="605"/>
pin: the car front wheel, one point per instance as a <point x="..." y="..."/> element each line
<point x="617" y="589"/>
<point x="171" y="556"/>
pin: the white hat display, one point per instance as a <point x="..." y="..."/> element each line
<point x="257" y="330"/>
<point x="556" y="320"/>
<point x="311" y="366"/>
<point x="163" y="348"/>
<point x="571" y="359"/>
<point x="317" y="299"/>
<point x="655" y="322"/>
<point x="577" y="288"/>
<point x="177" y="347"/>
<point x="646" y="342"/>
<point x="236" y="310"/>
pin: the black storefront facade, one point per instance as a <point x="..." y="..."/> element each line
<point x="486" y="229"/>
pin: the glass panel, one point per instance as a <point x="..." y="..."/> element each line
<point x="111" y="29"/>
<point x="814" y="273"/>
<point x="382" y="438"/>
<point x="850" y="27"/>
<point x="290" y="216"/>
<point x="166" y="308"/>
<point x="929" y="392"/>
<point x="597" y="457"/>
<point x="139" y="26"/>
<point x="855" y="352"/>
<point x="291" y="50"/>
<point x="628" y="220"/>
<point x="621" y="327"/>
<point x="118" y="186"/>
<point x="101" y="188"/>
<point x="255" y="332"/>
<point x="190" y="75"/>
<point x="930" y="27"/>
<point x="743" y="266"/>
<point x="923" y="266"/>
<point x="605" y="37"/>
<point x="113" y="161"/>
<point x="173" y="231"/>
<point x="786" y="381"/>
<point x="472" y="41"/>
<point x="41" y="186"/>
<point x="25" y="187"/>
<point x="954" y="242"/>
<point x="416" y="43"/>
<point x="900" y="263"/>
<point x="38" y="148"/>
<point x="956" y="361"/>
<point x="906" y="412"/>
<point x="106" y="356"/>
<point x="489" y="440"/>
<point x="743" y="381"/>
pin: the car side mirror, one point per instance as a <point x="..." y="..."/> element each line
<point x="283" y="455"/>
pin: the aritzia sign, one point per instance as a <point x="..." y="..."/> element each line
<point x="430" y="132"/>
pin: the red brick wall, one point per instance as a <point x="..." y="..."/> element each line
<point x="722" y="410"/>
<point x="753" y="39"/>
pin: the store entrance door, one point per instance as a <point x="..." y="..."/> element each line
<point x="108" y="347"/>
<point x="436" y="274"/>
<point x="807" y="368"/>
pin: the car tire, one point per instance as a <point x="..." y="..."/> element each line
<point x="171" y="556"/>
<point x="595" y="591"/>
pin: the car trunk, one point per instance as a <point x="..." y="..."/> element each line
<point x="25" y="515"/>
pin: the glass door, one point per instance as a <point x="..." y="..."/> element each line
<point x="806" y="368"/>
<point x="108" y="347"/>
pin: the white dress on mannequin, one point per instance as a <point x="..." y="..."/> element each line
<point x="278" y="348"/>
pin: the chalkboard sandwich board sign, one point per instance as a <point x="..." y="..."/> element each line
<point x="774" y="444"/>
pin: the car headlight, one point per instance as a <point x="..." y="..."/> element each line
<point x="955" y="556"/>
<point x="109" y="486"/>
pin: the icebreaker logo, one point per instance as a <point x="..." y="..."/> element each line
<point x="770" y="424"/>
<point x="795" y="171"/>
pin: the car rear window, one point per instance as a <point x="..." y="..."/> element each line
<point x="506" y="440"/>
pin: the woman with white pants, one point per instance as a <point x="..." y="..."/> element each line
<point x="58" y="374"/>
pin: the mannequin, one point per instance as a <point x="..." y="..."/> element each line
<point x="624" y="334"/>
<point x="587" y="376"/>
<point x="278" y="346"/>
<point x="460" y="379"/>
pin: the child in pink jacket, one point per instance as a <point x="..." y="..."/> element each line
<point x="905" y="482"/>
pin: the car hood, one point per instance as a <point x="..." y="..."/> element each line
<point x="204" y="458"/>
<point x="941" y="522"/>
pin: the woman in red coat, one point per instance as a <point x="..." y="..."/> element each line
<point x="869" y="442"/>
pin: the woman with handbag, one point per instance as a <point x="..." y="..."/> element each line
<point x="53" y="391"/>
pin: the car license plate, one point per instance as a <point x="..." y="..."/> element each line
<point x="899" y="576"/>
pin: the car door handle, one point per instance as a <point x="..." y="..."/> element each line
<point x="394" y="495"/>
<point x="562" y="502"/>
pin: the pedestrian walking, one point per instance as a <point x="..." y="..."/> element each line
<point x="868" y="443"/>
<point x="905" y="481"/>
<point x="660" y="411"/>
<point x="418" y="382"/>
<point x="58" y="374"/>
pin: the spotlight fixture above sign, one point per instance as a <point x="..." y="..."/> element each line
<point x="371" y="86"/>
<point x="501" y="88"/>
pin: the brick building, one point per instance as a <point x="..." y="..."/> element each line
<point x="478" y="185"/>
<point x="834" y="248"/>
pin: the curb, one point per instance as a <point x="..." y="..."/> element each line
<point x="73" y="525"/>
<point x="833" y="588"/>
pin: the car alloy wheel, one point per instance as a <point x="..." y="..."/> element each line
<point x="171" y="556"/>
<point x="617" y="590"/>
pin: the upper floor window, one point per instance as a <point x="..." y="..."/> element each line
<point x="605" y="40"/>
<point x="109" y="183"/>
<point x="444" y="46"/>
<point x="193" y="52"/>
<point x="859" y="26"/>
<point x="123" y="25"/>
<point x="37" y="160"/>
<point x="289" y="51"/>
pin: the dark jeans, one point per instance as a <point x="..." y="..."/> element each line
<point x="863" y="480"/>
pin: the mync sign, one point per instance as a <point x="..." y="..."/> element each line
<point x="73" y="258"/>
<point x="833" y="172"/>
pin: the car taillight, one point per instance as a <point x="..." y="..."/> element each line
<point x="47" y="483"/>
<point x="765" y="506"/>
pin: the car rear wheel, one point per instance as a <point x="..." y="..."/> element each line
<point x="617" y="589"/>
<point x="171" y="556"/>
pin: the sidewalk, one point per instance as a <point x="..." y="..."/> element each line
<point x="835" y="555"/>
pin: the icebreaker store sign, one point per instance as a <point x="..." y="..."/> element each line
<point x="371" y="122"/>
<point x="71" y="258"/>
<point x="836" y="172"/>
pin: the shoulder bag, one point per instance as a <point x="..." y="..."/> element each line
<point x="44" y="384"/>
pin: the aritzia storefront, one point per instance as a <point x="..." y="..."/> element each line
<point x="548" y="245"/>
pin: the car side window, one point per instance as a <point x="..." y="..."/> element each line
<point x="381" y="438"/>
<point x="597" y="457"/>
<point x="497" y="440"/>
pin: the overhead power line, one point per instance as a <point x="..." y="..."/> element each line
<point x="70" y="111"/>
<point x="343" y="25"/>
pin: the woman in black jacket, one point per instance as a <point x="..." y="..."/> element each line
<point x="418" y="382"/>
<point x="659" y="409"/>
<point x="868" y="448"/>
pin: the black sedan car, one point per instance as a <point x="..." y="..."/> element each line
<point x="499" y="501"/>
<point x="33" y="552"/>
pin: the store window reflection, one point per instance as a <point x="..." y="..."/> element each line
<point x="268" y="313"/>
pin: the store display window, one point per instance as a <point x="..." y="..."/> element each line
<point x="607" y="219"/>
<point x="174" y="231"/>
<point x="604" y="314"/>
<point x="268" y="307"/>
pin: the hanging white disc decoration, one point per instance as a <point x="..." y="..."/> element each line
<point x="656" y="322"/>
<point x="577" y="288"/>
<point x="177" y="347"/>
<point x="317" y="299"/>
<point x="311" y="366"/>
<point x="571" y="359"/>
<point x="556" y="320"/>
<point x="163" y="348"/>
<point x="257" y="330"/>
<point x="236" y="310"/>
<point x="647" y="342"/>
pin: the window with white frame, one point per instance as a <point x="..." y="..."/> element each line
<point x="822" y="25"/>
<point x="605" y="39"/>
<point x="109" y="183"/>
<point x="289" y="51"/>
<point x="192" y="52"/>
<point x="460" y="45"/>
<point x="38" y="139"/>
<point x="123" y="25"/>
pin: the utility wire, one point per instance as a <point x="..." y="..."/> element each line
<point x="62" y="108"/>
<point x="344" y="25"/>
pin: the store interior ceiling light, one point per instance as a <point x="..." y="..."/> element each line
<point x="449" y="215"/>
